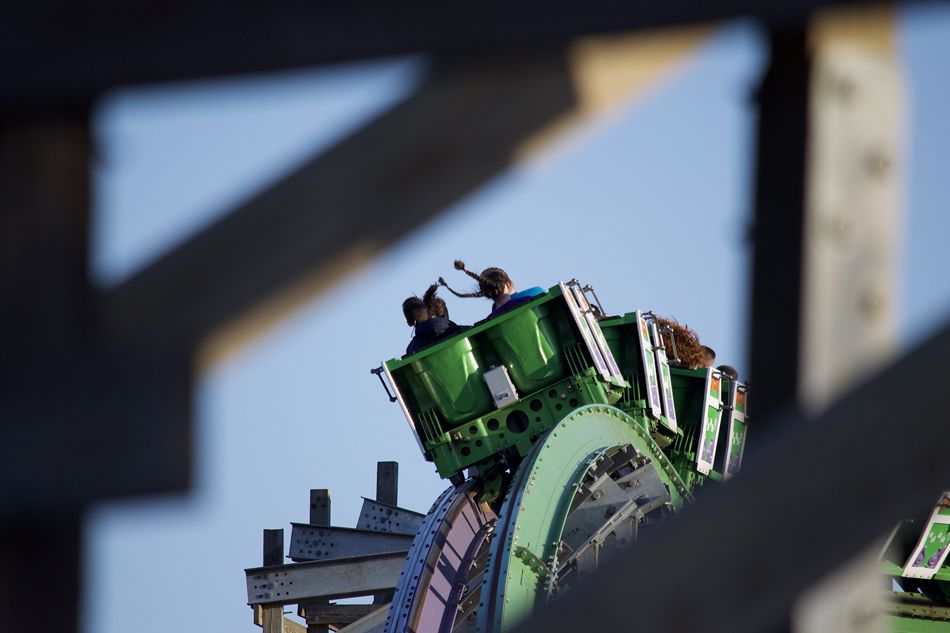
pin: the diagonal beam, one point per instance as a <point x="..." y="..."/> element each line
<point x="52" y="51"/>
<point x="348" y="203"/>
<point x="814" y="496"/>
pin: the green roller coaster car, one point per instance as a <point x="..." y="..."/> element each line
<point x="523" y="399"/>
<point x="482" y="398"/>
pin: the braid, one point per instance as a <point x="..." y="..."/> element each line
<point x="460" y="265"/>
<point x="434" y="304"/>
<point x="462" y="295"/>
<point x="491" y="282"/>
<point x="430" y="294"/>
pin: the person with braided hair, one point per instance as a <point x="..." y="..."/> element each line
<point x="495" y="284"/>
<point x="430" y="318"/>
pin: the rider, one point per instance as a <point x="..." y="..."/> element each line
<point x="495" y="284"/>
<point x="430" y="318"/>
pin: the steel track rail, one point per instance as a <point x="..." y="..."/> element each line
<point x="548" y="495"/>
<point x="436" y="576"/>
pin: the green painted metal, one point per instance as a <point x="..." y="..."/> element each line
<point x="532" y="516"/>
<point x="585" y="387"/>
<point x="563" y="420"/>
<point x="921" y="597"/>
<point x="529" y="345"/>
<point x="451" y="408"/>
<point x="552" y="366"/>
<point x="903" y="624"/>
<point x="450" y="380"/>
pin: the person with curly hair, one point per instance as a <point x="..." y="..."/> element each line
<point x="683" y="347"/>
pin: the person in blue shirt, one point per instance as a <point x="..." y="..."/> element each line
<point x="495" y="284"/>
<point x="430" y="318"/>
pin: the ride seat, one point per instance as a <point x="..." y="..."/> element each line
<point x="452" y="378"/>
<point x="529" y="346"/>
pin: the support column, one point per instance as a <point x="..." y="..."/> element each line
<point x="387" y="491"/>
<point x="44" y="219"/>
<point x="850" y="247"/>
<point x="775" y="322"/>
<point x="320" y="514"/>
<point x="272" y="616"/>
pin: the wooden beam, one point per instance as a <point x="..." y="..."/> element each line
<point x="850" y="281"/>
<point x="40" y="566"/>
<point x="272" y="618"/>
<point x="371" y="623"/>
<point x="272" y="615"/>
<point x="44" y="234"/>
<point x="109" y="43"/>
<point x="775" y="319"/>
<point x="114" y="421"/>
<point x="336" y="614"/>
<point x="347" y="203"/>
<point x="853" y="210"/>
<point x="289" y="626"/>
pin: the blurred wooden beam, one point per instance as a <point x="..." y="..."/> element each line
<point x="299" y="236"/>
<point x="853" y="214"/>
<point x="852" y="237"/>
<point x="107" y="421"/>
<point x="346" y="204"/>
<point x="775" y="315"/>
<point x="51" y="50"/>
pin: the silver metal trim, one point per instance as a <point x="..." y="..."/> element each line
<point x="402" y="405"/>
<point x="590" y="331"/>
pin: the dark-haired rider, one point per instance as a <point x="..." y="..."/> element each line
<point x="495" y="284"/>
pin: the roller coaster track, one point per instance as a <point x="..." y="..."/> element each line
<point x="436" y="579"/>
<point x="586" y="490"/>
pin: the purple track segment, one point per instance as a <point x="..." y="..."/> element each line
<point x="438" y="563"/>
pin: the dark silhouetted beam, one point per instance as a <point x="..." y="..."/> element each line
<point x="79" y="421"/>
<point x="775" y="320"/>
<point x="56" y="50"/>
<point x="818" y="493"/>
<point x="456" y="133"/>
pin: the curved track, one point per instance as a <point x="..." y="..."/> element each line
<point x="584" y="491"/>
<point x="436" y="589"/>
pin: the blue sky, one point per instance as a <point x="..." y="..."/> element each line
<point x="651" y="206"/>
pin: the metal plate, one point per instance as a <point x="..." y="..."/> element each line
<point x="327" y="579"/>
<point x="663" y="375"/>
<point x="932" y="547"/>
<point x="736" y="430"/>
<point x="590" y="332"/>
<point x="382" y="517"/>
<point x="318" y="542"/>
<point x="648" y="364"/>
<point x="403" y="407"/>
<point x="709" y="425"/>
